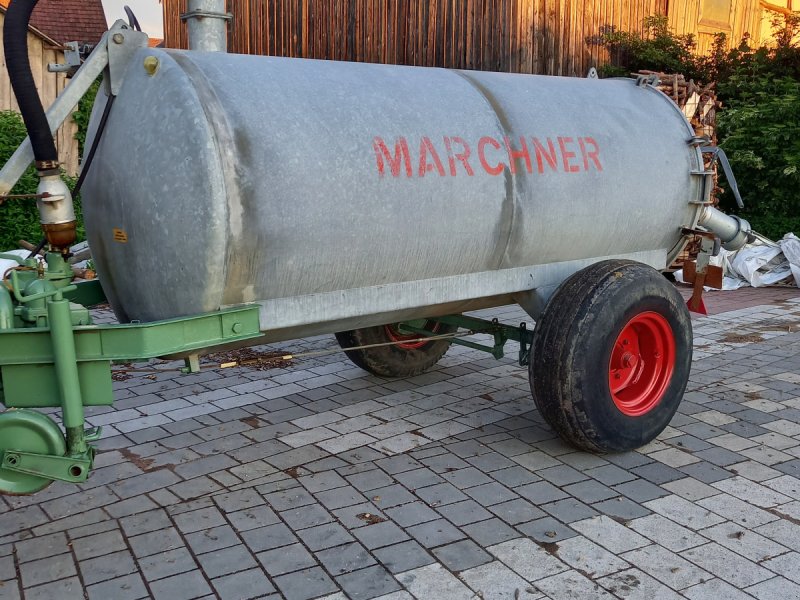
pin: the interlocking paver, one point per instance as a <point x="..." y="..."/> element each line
<point x="727" y="565"/>
<point x="180" y="587"/>
<point x="495" y="581"/>
<point x="305" y="584"/>
<point x="324" y="536"/>
<point x="612" y="535"/>
<point x="286" y="559"/>
<point x="527" y="559"/>
<point x="666" y="566"/>
<point x="633" y="584"/>
<point x="227" y="561"/>
<point x="166" y="564"/>
<point x="45" y="570"/>
<point x="241" y="586"/>
<point x="292" y="483"/>
<point x="434" y="582"/>
<point x="462" y="555"/>
<point x="435" y="533"/>
<point x="128" y="587"/>
<point x="368" y="583"/>
<point x="106" y="567"/>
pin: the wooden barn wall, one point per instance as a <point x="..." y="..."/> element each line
<point x="49" y="86"/>
<point x="551" y="37"/>
<point x="735" y="18"/>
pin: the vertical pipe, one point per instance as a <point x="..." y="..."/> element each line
<point x="66" y="365"/>
<point x="207" y="24"/>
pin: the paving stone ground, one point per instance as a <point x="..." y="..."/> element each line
<point x="318" y="480"/>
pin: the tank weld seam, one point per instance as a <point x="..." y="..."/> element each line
<point x="220" y="130"/>
<point x="512" y="183"/>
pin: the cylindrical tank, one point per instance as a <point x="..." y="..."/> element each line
<point x="340" y="194"/>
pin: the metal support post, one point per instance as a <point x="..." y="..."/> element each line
<point x="66" y="366"/>
<point x="207" y="23"/>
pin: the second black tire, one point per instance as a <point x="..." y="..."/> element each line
<point x="611" y="356"/>
<point x="403" y="360"/>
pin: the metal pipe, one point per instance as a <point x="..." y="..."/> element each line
<point x="64" y="359"/>
<point x="733" y="231"/>
<point x="207" y="24"/>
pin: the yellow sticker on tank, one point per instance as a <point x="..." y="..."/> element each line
<point x="120" y="236"/>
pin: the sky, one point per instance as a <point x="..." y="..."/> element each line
<point x="147" y="11"/>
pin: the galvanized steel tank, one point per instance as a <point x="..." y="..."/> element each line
<point x="343" y="195"/>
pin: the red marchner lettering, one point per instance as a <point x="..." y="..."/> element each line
<point x="542" y="153"/>
<point x="496" y="170"/>
<point x="562" y="154"/>
<point x="566" y="155"/>
<point x="401" y="155"/>
<point x="513" y="155"/>
<point x="462" y="156"/>
<point x="594" y="154"/>
<point x="426" y="148"/>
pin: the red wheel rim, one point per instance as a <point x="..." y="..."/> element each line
<point x="642" y="363"/>
<point x="396" y="336"/>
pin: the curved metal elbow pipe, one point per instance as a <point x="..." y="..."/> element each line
<point x="733" y="231"/>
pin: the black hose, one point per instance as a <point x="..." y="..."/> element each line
<point x="87" y="162"/>
<point x="132" y="20"/>
<point x="15" y="42"/>
<point x="38" y="248"/>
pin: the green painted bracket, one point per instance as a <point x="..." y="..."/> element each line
<point x="72" y="469"/>
<point x="135" y="341"/>
<point x="87" y="293"/>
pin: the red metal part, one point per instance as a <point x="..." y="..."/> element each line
<point x="642" y="363"/>
<point x="396" y="336"/>
<point x="697" y="306"/>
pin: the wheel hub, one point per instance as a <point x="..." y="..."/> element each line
<point x="27" y="431"/>
<point x="642" y="363"/>
<point x="395" y="335"/>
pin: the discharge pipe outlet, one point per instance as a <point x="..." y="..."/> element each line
<point x="207" y="24"/>
<point x="734" y="232"/>
<point x="56" y="211"/>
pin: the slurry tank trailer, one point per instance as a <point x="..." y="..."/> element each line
<point x="233" y="200"/>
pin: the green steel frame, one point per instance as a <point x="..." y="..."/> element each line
<point x="51" y="356"/>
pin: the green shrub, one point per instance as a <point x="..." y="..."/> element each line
<point x="19" y="219"/>
<point x="84" y="112"/>
<point x="657" y="50"/>
<point x="760" y="132"/>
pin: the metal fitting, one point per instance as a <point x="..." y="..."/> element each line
<point x="733" y="231"/>
<point x="56" y="211"/>
<point x="151" y="64"/>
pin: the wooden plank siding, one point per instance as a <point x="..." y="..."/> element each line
<point x="740" y="18"/>
<point x="532" y="36"/>
<point x="42" y="51"/>
<point x="552" y="37"/>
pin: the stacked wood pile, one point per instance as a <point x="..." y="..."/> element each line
<point x="697" y="101"/>
<point x="699" y="104"/>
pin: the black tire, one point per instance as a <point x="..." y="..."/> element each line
<point x="394" y="361"/>
<point x="579" y="334"/>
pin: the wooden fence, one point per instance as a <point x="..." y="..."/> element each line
<point x="553" y="37"/>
